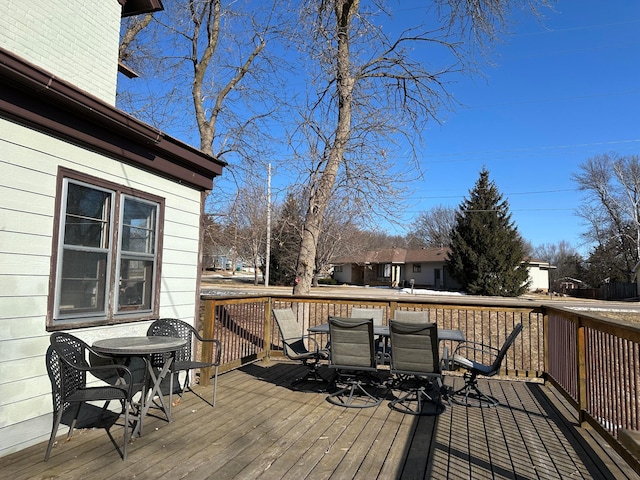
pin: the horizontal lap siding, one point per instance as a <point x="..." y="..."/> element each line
<point x="29" y="162"/>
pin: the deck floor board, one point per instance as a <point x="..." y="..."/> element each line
<point x="261" y="428"/>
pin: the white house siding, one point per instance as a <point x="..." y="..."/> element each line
<point x="86" y="33"/>
<point x="539" y="278"/>
<point x="28" y="169"/>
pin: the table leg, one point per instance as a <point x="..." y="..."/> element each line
<point x="148" y="395"/>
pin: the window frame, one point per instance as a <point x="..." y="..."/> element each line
<point x="112" y="313"/>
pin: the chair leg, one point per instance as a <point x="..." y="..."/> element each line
<point x="125" y="406"/>
<point x="354" y="395"/>
<point x="312" y="375"/>
<point x="215" y="386"/>
<point x="472" y="396"/>
<point x="419" y="397"/>
<point x="54" y="430"/>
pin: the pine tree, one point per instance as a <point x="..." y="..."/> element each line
<point x="285" y="243"/>
<point x="487" y="252"/>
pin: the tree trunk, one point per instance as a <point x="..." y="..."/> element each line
<point x="321" y="195"/>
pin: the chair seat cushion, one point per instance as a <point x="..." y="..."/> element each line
<point x="486" y="370"/>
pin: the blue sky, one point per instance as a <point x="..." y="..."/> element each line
<point x="562" y="90"/>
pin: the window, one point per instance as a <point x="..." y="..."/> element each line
<point x="417" y="268"/>
<point x="384" y="270"/>
<point x="107" y="263"/>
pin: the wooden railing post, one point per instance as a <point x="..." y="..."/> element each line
<point x="267" y="327"/>
<point x="545" y="341"/>
<point x="208" y="331"/>
<point x="581" y="352"/>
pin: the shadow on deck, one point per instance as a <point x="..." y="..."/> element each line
<point x="263" y="429"/>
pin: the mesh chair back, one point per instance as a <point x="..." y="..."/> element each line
<point x="409" y="316"/>
<point x="55" y="375"/>
<point x="172" y="327"/>
<point x="352" y="343"/>
<point x="507" y="344"/>
<point x="376" y="313"/>
<point x="74" y="351"/>
<point x="414" y="347"/>
<point x="290" y="331"/>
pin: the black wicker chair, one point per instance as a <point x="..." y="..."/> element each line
<point x="415" y="366"/>
<point x="184" y="360"/>
<point x="68" y="363"/>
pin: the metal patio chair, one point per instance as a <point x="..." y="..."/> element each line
<point x="470" y="395"/>
<point x="381" y="343"/>
<point x="411" y="316"/>
<point x="68" y="363"/>
<point x="185" y="360"/>
<point x="353" y="357"/>
<point x="295" y="348"/>
<point x="415" y="367"/>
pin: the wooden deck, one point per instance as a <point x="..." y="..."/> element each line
<point x="263" y="429"/>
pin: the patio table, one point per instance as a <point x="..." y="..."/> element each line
<point x="144" y="347"/>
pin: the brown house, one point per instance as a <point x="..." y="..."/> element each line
<point x="420" y="268"/>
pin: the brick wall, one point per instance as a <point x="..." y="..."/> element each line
<point x="76" y="40"/>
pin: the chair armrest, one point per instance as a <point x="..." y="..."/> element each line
<point x="215" y="341"/>
<point x="210" y="340"/>
<point x="314" y="346"/>
<point x="122" y="371"/>
<point x="475" y="349"/>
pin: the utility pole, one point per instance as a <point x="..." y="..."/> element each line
<point x="235" y="237"/>
<point x="266" y="268"/>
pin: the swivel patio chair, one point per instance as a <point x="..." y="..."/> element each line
<point x="68" y="363"/>
<point x="415" y="367"/>
<point x="295" y="348"/>
<point x="380" y="343"/>
<point x="185" y="360"/>
<point x="354" y="359"/>
<point x="470" y="395"/>
<point x="411" y="316"/>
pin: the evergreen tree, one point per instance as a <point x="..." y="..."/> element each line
<point x="285" y="243"/>
<point x="487" y="252"/>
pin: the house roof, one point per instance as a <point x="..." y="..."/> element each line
<point x="402" y="256"/>
<point x="396" y="256"/>
<point x="35" y="98"/>
<point x="136" y="7"/>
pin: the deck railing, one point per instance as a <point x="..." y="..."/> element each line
<point x="593" y="361"/>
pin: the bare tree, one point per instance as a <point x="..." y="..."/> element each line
<point x="205" y="67"/>
<point x="563" y="258"/>
<point x="372" y="89"/>
<point x="433" y="227"/>
<point x="250" y="217"/>
<point x="611" y="204"/>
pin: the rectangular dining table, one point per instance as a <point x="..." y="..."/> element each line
<point x="143" y="347"/>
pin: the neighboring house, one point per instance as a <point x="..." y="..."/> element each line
<point x="100" y="214"/>
<point x="396" y="267"/>
<point x="421" y="268"/>
<point x="567" y="285"/>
